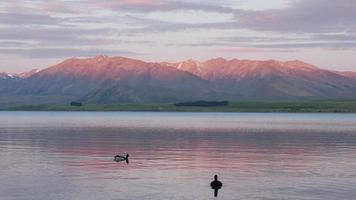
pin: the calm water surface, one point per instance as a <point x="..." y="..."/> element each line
<point x="69" y="155"/>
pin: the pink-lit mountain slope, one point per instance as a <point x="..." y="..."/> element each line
<point x="271" y="78"/>
<point x="115" y="79"/>
<point x="105" y="79"/>
<point x="28" y="73"/>
<point x="348" y="74"/>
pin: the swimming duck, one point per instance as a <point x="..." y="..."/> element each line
<point x="119" y="158"/>
<point x="216" y="184"/>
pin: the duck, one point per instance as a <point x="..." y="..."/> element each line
<point x="119" y="158"/>
<point x="216" y="184"/>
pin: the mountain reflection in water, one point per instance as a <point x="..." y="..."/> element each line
<point x="174" y="155"/>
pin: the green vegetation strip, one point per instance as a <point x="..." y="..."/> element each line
<point x="342" y="106"/>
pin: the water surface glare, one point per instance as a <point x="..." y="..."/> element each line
<point x="69" y="155"/>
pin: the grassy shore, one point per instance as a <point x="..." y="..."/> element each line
<point x="342" y="106"/>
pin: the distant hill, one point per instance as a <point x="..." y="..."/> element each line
<point x="8" y="81"/>
<point x="105" y="79"/>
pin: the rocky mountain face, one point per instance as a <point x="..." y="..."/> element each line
<point x="113" y="80"/>
<point x="105" y="79"/>
<point x="273" y="79"/>
<point x="349" y="74"/>
<point x="28" y="73"/>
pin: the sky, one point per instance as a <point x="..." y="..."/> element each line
<point x="41" y="33"/>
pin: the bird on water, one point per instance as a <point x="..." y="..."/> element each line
<point x="216" y="185"/>
<point x="119" y="158"/>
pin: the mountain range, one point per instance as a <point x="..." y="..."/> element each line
<point x="104" y="79"/>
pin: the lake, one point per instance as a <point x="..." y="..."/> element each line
<point x="69" y="155"/>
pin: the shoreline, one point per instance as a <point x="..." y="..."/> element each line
<point x="311" y="106"/>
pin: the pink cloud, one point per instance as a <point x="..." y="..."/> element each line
<point x="134" y="4"/>
<point x="57" y="6"/>
<point x="141" y="2"/>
